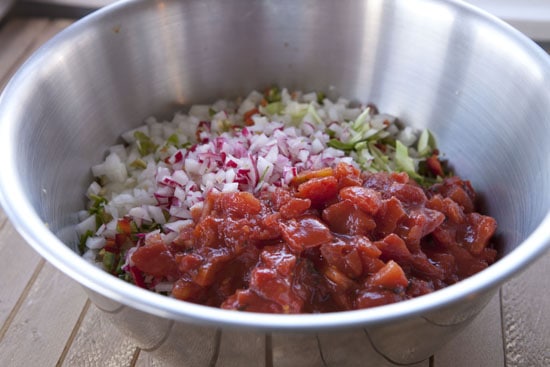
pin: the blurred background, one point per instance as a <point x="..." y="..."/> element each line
<point x="531" y="17"/>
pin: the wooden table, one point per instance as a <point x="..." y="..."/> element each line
<point x="46" y="318"/>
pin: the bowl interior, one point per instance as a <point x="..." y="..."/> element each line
<point x="481" y="87"/>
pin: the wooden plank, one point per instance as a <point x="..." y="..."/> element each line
<point x="353" y="349"/>
<point x="290" y="350"/>
<point x="99" y="343"/>
<point x="16" y="37"/>
<point x="328" y="349"/>
<point x="40" y="329"/>
<point x="17" y="268"/>
<point x="22" y="41"/>
<point x="480" y="344"/>
<point x="525" y="306"/>
<point x="237" y="348"/>
<point x="147" y="360"/>
<point x="19" y="264"/>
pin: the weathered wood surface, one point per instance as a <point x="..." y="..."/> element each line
<point x="46" y="318"/>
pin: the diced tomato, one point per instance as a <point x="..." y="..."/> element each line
<point x="155" y="258"/>
<point x="247" y="117"/>
<point x="248" y="300"/>
<point x="319" y="190"/>
<point x="330" y="242"/>
<point x="187" y="290"/>
<point x="480" y="229"/>
<point x="278" y="258"/>
<point x="308" y="175"/>
<point x="304" y="233"/>
<point x="238" y="204"/>
<point x="391" y="276"/>
<point x="376" y="298"/>
<point x="124" y="225"/>
<point x="347" y="175"/>
<point x="294" y="208"/>
<point x="409" y="194"/>
<point x="434" y="165"/>
<point x="368" y="200"/>
<point x="340" y="280"/>
<point x="394" y="248"/>
<point x="389" y="215"/>
<point x="346" y="218"/>
<point x="344" y="257"/>
<point x="272" y="286"/>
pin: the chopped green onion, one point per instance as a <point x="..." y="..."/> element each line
<point x="109" y="260"/>
<point x="139" y="163"/>
<point x="337" y="144"/>
<point x="423" y="147"/>
<point x="98" y="210"/>
<point x="320" y="97"/>
<point x="83" y="239"/>
<point x="361" y="119"/>
<point x="274" y="108"/>
<point x="402" y="159"/>
<point x="273" y="95"/>
<point x="313" y="112"/>
<point x="144" y="143"/>
<point x="173" y="140"/>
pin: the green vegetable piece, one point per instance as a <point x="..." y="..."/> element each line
<point x="320" y="97"/>
<point x="402" y="159"/>
<point x="109" y="261"/>
<point x="144" y="143"/>
<point x="139" y="163"/>
<point x="313" y="112"/>
<point x="423" y="147"/>
<point x="98" y="210"/>
<point x="273" y="95"/>
<point x="83" y="239"/>
<point x="361" y="120"/>
<point x="297" y="115"/>
<point x="274" y="108"/>
<point x="380" y="160"/>
<point x="337" y="144"/>
<point x="118" y="270"/>
<point x="173" y="140"/>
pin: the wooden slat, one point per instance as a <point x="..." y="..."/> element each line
<point x="526" y="316"/>
<point x="147" y="360"/>
<point x="17" y="270"/>
<point x="303" y="348"/>
<point x="20" y="267"/>
<point x="480" y="344"/>
<point x="39" y="331"/>
<point x="99" y="343"/>
<point x="20" y="38"/>
<point x="353" y="349"/>
<point x="237" y="347"/>
<point x="16" y="37"/>
<point x="327" y="350"/>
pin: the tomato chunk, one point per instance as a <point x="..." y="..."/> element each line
<point x="156" y="259"/>
<point x="319" y="190"/>
<point x="391" y="276"/>
<point x="346" y="218"/>
<point x="368" y="200"/>
<point x="305" y="233"/>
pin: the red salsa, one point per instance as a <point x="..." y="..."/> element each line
<point x="336" y="240"/>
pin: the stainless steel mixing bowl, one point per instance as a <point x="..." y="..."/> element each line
<point x="480" y="86"/>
